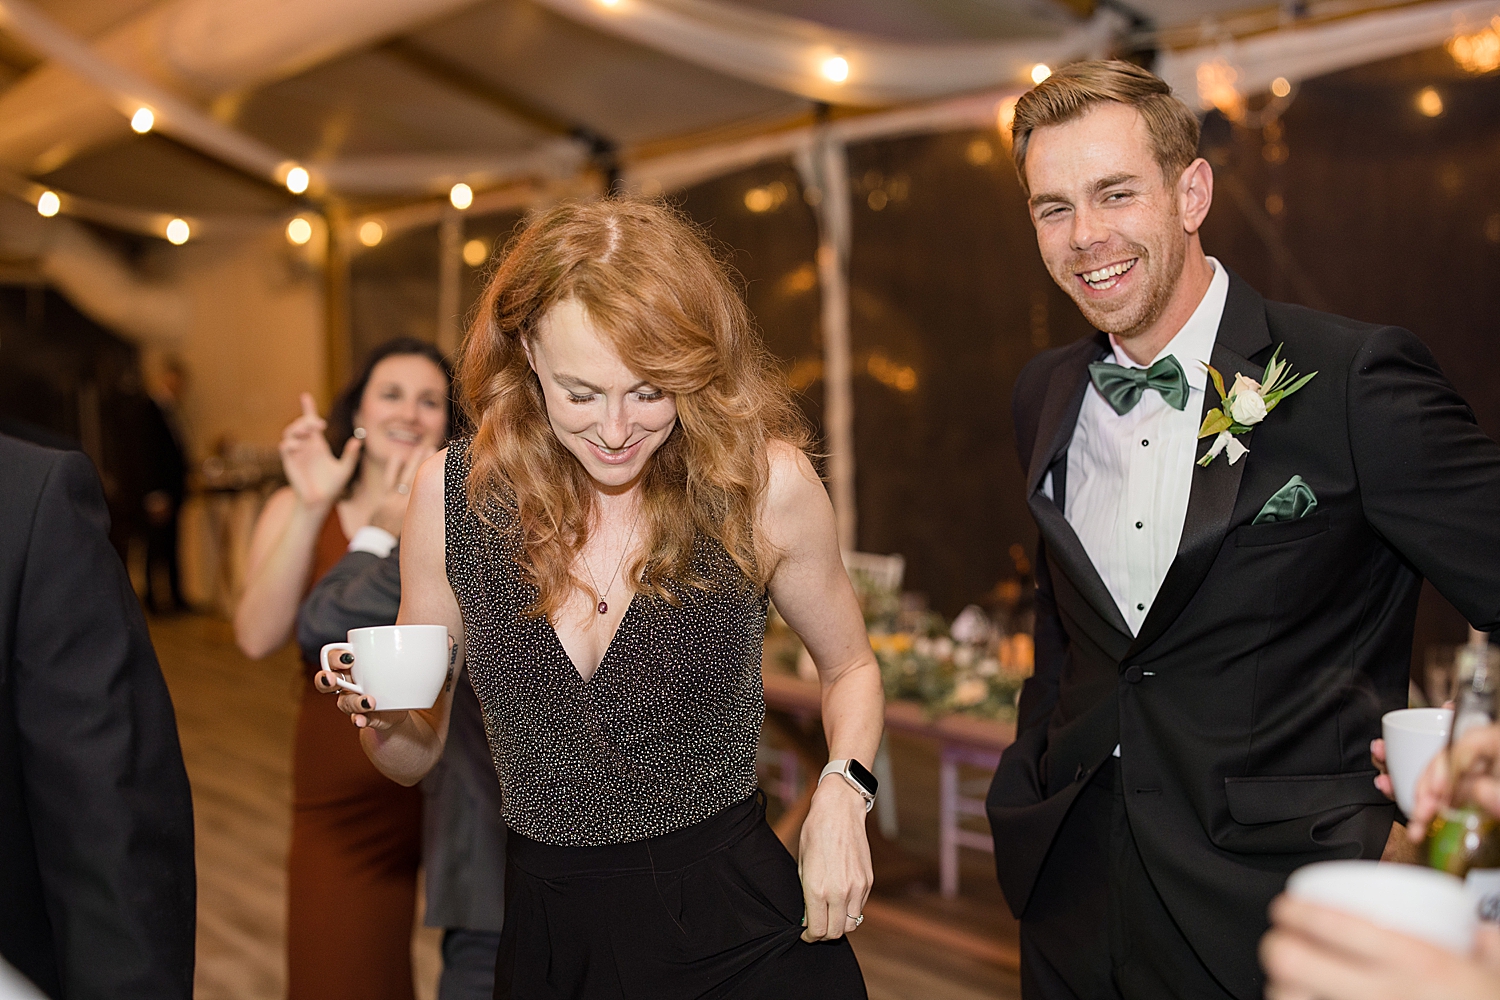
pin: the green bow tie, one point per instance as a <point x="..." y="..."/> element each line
<point x="1121" y="387"/>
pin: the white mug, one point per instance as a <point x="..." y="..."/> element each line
<point x="1413" y="736"/>
<point x="399" y="666"/>
<point x="1409" y="899"/>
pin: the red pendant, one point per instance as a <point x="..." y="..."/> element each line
<point x="603" y="608"/>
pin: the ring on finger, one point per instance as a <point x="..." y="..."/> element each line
<point x="857" y="920"/>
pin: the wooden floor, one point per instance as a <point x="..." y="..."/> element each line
<point x="235" y="719"/>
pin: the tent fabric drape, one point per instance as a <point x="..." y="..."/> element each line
<point x="788" y="53"/>
<point x="1303" y="53"/>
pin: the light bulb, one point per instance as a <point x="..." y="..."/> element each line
<point x="461" y="195"/>
<point x="143" y="120"/>
<point x="49" y="204"/>
<point x="296" y="180"/>
<point x="299" y="231"/>
<point x="371" y="233"/>
<point x="178" y="232"/>
<point x="1040" y="72"/>
<point x="1281" y="86"/>
<point x="1430" y="102"/>
<point x="835" y="69"/>
<point x="476" y="252"/>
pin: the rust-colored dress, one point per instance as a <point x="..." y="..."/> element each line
<point x="356" y="844"/>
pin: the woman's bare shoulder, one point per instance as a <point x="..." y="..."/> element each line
<point x="278" y="507"/>
<point x="790" y="474"/>
<point x="430" y="479"/>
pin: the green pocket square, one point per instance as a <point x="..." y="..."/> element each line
<point x="1294" y="500"/>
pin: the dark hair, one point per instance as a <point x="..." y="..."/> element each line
<point x="341" y="416"/>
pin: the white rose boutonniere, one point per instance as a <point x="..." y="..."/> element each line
<point x="1246" y="404"/>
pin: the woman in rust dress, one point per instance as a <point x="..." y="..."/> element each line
<point x="352" y="867"/>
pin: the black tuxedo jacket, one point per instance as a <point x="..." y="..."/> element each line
<point x="1246" y="705"/>
<point x="96" y="825"/>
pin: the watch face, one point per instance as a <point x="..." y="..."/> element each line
<point x="859" y="773"/>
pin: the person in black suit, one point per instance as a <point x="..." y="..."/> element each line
<point x="1221" y="622"/>
<point x="97" y="885"/>
<point x="463" y="836"/>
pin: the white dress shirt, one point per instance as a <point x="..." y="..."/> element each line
<point x="1129" y="475"/>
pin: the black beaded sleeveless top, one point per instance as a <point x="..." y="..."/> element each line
<point x="663" y="734"/>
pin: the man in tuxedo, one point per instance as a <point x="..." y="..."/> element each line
<point x="1215" y="644"/>
<point x="97" y="884"/>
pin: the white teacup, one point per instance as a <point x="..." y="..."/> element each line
<point x="1409" y="899"/>
<point x="1413" y="736"/>
<point x="399" y="666"/>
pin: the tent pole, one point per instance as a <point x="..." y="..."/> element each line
<point x="825" y="169"/>
<point x="450" y="281"/>
<point x="338" y="360"/>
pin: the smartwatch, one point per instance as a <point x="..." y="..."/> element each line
<point x="858" y="776"/>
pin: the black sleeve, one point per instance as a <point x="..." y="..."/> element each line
<point x="1039" y="693"/>
<point x="361" y="590"/>
<point x="1429" y="478"/>
<point x="106" y="791"/>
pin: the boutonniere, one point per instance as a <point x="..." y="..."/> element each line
<point x="1246" y="404"/>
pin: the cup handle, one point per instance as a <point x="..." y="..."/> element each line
<point x="346" y="659"/>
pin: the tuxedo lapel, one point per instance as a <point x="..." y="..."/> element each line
<point x="1060" y="408"/>
<point x="1211" y="499"/>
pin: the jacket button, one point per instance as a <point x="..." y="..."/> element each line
<point x="1133" y="674"/>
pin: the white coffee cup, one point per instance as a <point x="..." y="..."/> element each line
<point x="399" y="666"/>
<point x="1409" y="899"/>
<point x="1413" y="736"/>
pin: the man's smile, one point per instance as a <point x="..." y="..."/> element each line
<point x="1106" y="277"/>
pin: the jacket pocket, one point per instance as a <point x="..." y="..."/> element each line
<point x="1276" y="532"/>
<point x="1273" y="799"/>
<point x="1322" y="813"/>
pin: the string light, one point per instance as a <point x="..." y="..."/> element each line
<point x="49" y="204"/>
<point x="299" y="231"/>
<point x="297" y="180"/>
<point x="1005" y="117"/>
<point x="1040" y="72"/>
<point x="1429" y="102"/>
<point x="1281" y="86"/>
<point x="1478" y="52"/>
<point x="143" y="121"/>
<point x="1217" y="88"/>
<point x="461" y="196"/>
<point x="835" y="69"/>
<point x="476" y="252"/>
<point x="178" y="232"/>
<point x="371" y="233"/>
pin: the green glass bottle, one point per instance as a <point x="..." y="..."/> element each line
<point x="1464" y="837"/>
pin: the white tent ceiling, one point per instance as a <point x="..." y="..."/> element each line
<point x="395" y="100"/>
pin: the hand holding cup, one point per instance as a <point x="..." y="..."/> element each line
<point x="392" y="669"/>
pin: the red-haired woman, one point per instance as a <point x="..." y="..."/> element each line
<point x="605" y="545"/>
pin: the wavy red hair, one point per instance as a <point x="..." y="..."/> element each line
<point x="648" y="279"/>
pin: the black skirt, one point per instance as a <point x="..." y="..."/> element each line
<point x="712" y="911"/>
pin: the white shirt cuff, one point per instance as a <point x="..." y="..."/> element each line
<point x="376" y="541"/>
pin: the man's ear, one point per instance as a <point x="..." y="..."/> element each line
<point x="1195" y="194"/>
